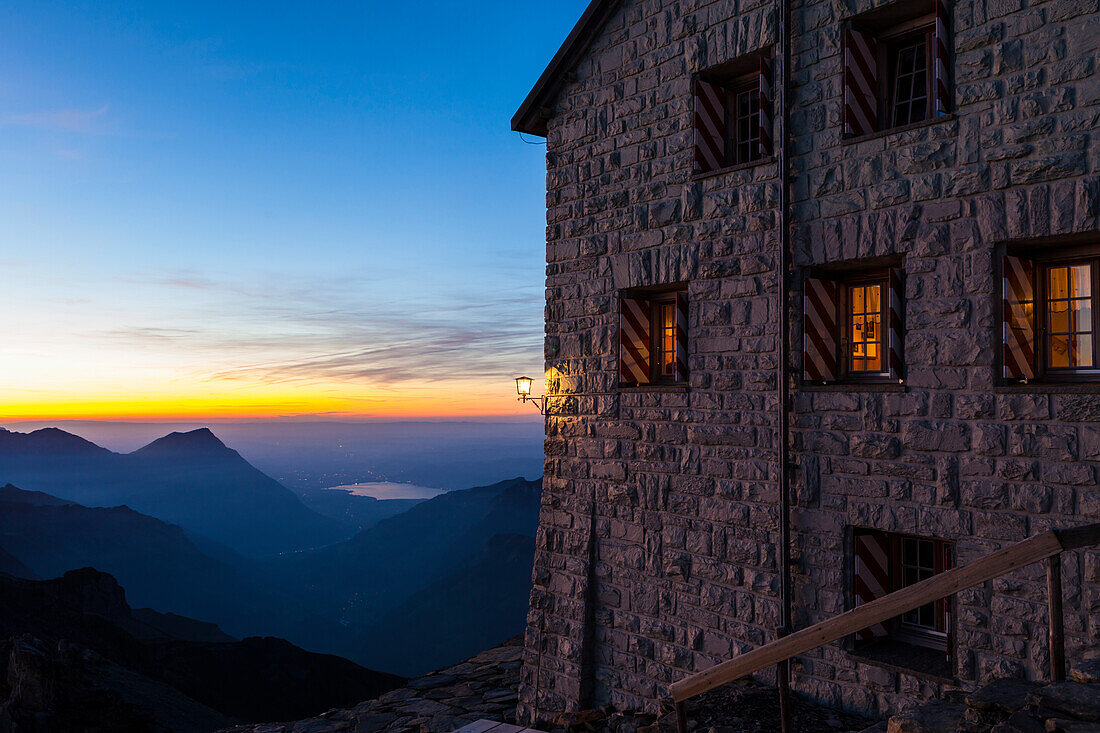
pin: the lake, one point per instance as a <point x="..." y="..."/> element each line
<point x="389" y="490"/>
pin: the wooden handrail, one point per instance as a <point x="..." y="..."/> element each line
<point x="1031" y="550"/>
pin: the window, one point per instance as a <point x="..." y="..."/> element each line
<point x="745" y="128"/>
<point x="885" y="562"/>
<point x="852" y="328"/>
<point x="910" y="80"/>
<point x="1049" y="315"/>
<point x="896" y="67"/>
<point x="733" y="118"/>
<point x="653" y="339"/>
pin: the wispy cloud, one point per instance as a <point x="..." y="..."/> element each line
<point x="341" y="329"/>
<point x="84" y="121"/>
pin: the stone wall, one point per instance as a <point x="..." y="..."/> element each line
<point x="657" y="548"/>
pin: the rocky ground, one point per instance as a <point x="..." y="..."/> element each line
<point x="484" y="687"/>
<point x="1012" y="706"/>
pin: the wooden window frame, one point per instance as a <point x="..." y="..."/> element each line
<point x="734" y="88"/>
<point x="897" y="629"/>
<point x="844" y="285"/>
<point x="907" y="631"/>
<point x="889" y="41"/>
<point x="1043" y="258"/>
<point x="891" y="51"/>
<point x="1043" y="368"/>
<point x="656" y="302"/>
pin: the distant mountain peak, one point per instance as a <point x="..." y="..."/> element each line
<point x="48" y="441"/>
<point x="200" y="440"/>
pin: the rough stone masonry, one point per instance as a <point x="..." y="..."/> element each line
<point x="657" y="548"/>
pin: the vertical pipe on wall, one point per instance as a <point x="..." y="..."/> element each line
<point x="783" y="79"/>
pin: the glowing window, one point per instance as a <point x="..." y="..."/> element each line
<point x="1069" y="317"/>
<point x="864" y="323"/>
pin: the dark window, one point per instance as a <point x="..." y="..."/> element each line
<point x="653" y="338"/>
<point x="910" y="79"/>
<point x="885" y="562"/>
<point x="733" y="113"/>
<point x="897" y="66"/>
<point x="745" y="122"/>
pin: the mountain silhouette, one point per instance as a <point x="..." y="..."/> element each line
<point x="469" y="608"/>
<point x="104" y="667"/>
<point x="375" y="572"/>
<point x="191" y="479"/>
<point x="158" y="561"/>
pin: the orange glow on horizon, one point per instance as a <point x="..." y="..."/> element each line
<point x="445" y="402"/>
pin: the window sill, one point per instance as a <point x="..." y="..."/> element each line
<point x="928" y="664"/>
<point x="732" y="168"/>
<point x="656" y="388"/>
<point x="1081" y="387"/>
<point x="853" y="387"/>
<point x="897" y="130"/>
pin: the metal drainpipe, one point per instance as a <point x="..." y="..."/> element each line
<point x="783" y="164"/>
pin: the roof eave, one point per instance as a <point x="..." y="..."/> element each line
<point x="535" y="112"/>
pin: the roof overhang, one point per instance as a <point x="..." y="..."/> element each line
<point x="533" y="114"/>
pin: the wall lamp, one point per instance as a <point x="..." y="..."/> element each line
<point x="523" y="389"/>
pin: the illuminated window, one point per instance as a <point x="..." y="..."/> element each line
<point x="1069" y="317"/>
<point x="865" y="319"/>
<point x="853" y="326"/>
<point x="653" y="338"/>
<point x="1049" y="320"/>
<point x="665" y="317"/>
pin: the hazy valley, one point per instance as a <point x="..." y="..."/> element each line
<point x="217" y="550"/>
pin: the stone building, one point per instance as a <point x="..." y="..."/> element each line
<point x="939" y="303"/>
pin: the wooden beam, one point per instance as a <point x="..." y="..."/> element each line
<point x="1075" y="538"/>
<point x="1023" y="553"/>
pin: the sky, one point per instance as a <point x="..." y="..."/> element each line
<point x="235" y="210"/>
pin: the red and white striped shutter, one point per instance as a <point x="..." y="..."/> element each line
<point x="895" y="317"/>
<point x="765" y="121"/>
<point x="1018" y="298"/>
<point x="872" y="575"/>
<point x="941" y="44"/>
<point x="819" y="330"/>
<point x="633" y="341"/>
<point x="681" y="337"/>
<point x="710" y="126"/>
<point x="860" y="83"/>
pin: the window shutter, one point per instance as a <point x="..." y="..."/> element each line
<point x="1018" y="283"/>
<point x="896" y="324"/>
<point x="941" y="44"/>
<point x="681" y="337"/>
<point x="860" y="83"/>
<point x="710" y="127"/>
<point x="872" y="575"/>
<point x="766" y="66"/>
<point x="819" y="330"/>
<point x="633" y="341"/>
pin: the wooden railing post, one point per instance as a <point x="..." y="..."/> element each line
<point x="681" y="718"/>
<point x="783" y="682"/>
<point x="1056" y="634"/>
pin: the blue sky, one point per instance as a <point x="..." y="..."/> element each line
<point x="255" y="199"/>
